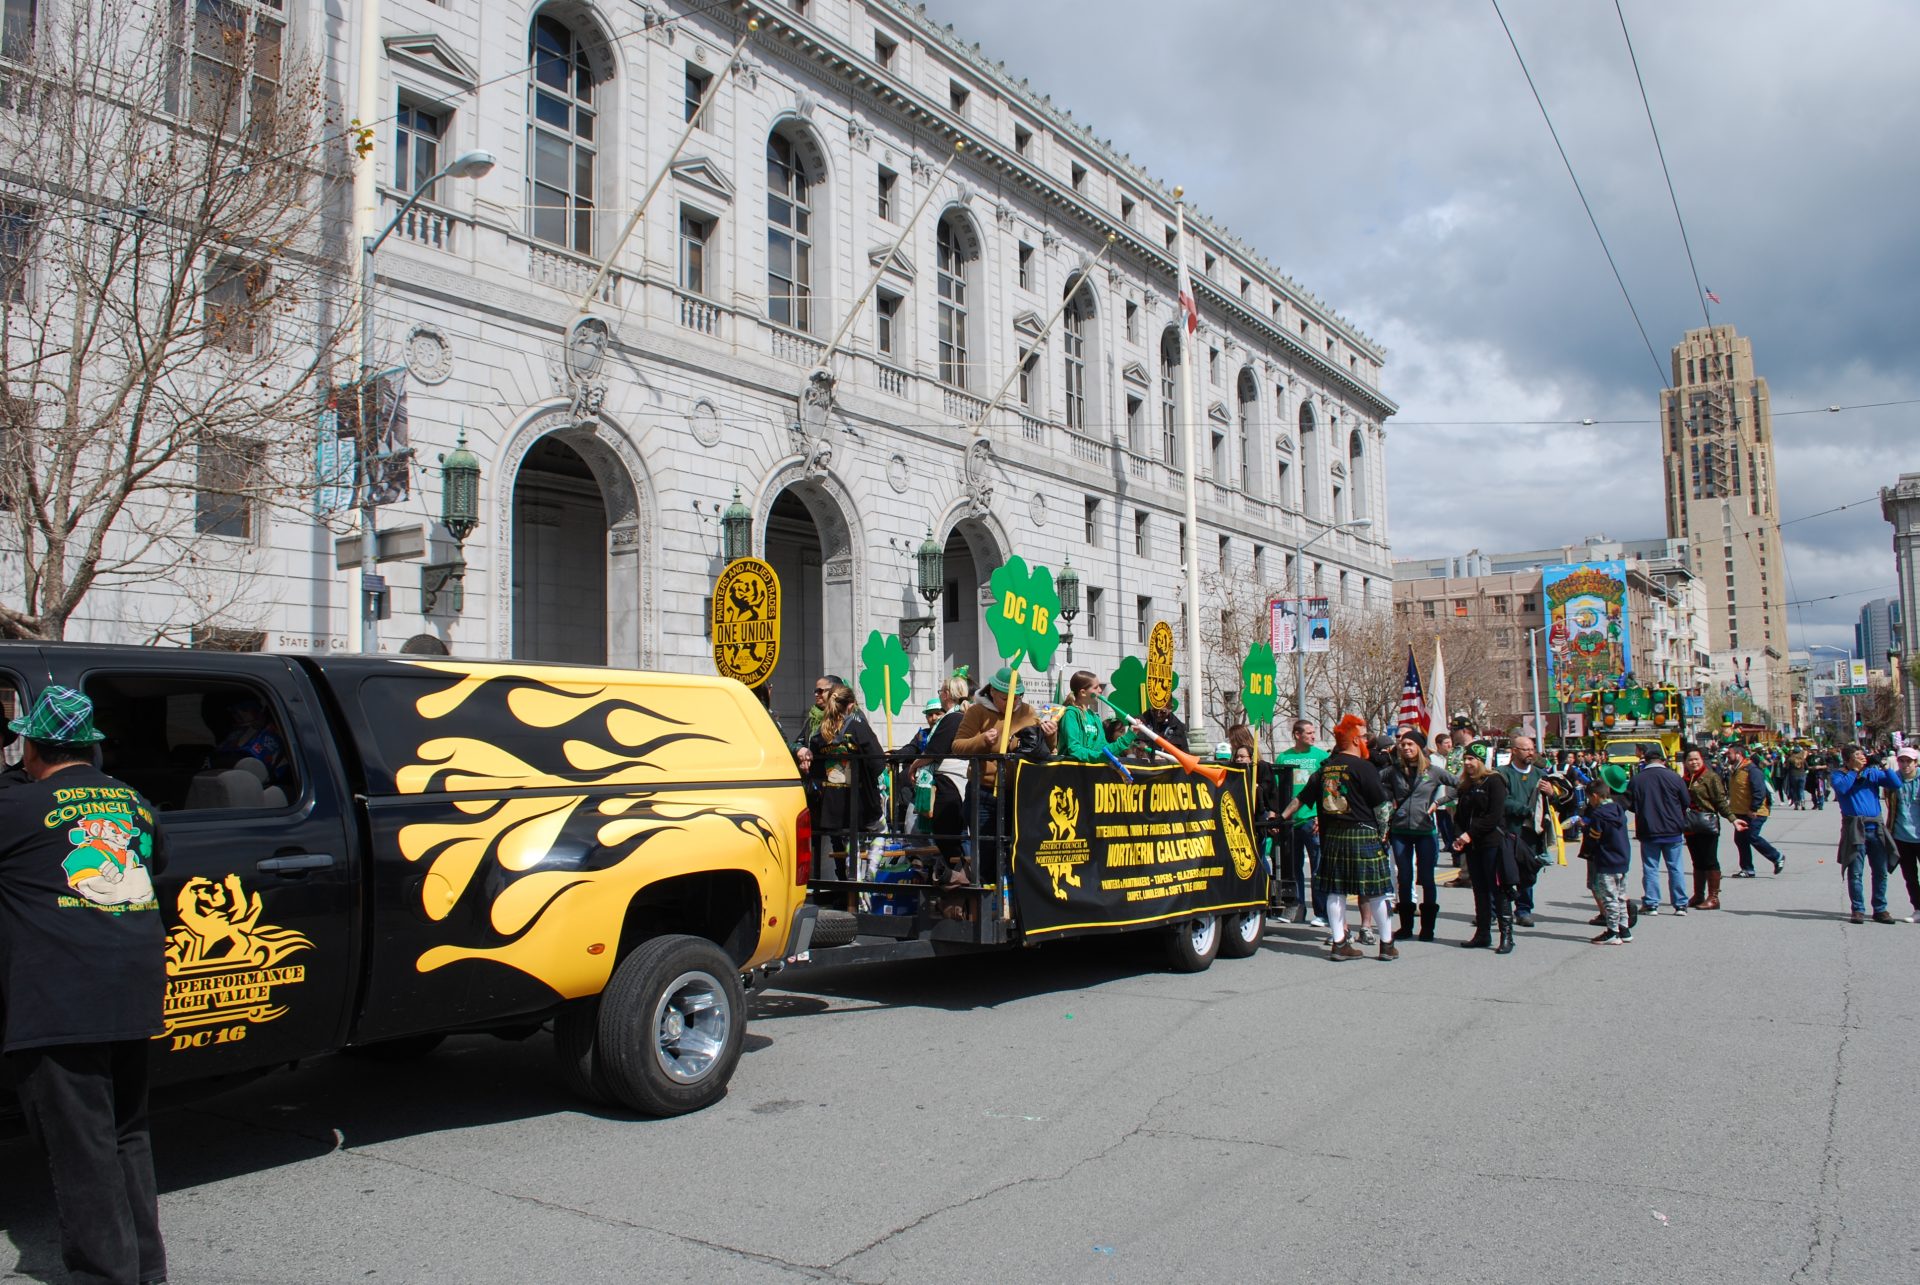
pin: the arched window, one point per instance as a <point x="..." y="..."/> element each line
<point x="1249" y="398"/>
<point x="955" y="251"/>
<point x="1075" y="327"/>
<point x="1357" y="474"/>
<point x="790" y="182"/>
<point x="1170" y="396"/>
<point x="562" y="137"/>
<point x="1312" y="469"/>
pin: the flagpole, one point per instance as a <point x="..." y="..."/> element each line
<point x="1196" y="730"/>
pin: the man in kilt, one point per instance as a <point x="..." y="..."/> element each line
<point x="1353" y="807"/>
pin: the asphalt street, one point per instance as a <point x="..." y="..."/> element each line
<point x="1728" y="1099"/>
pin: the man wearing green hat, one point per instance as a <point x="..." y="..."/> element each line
<point x="979" y="734"/>
<point x="85" y="974"/>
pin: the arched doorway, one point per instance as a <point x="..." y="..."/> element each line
<point x="559" y="558"/>
<point x="972" y="556"/>
<point x="810" y="546"/>
<point x="573" y="572"/>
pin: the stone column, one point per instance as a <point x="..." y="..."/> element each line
<point x="1900" y="505"/>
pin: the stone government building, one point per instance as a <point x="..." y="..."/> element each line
<point x="609" y="451"/>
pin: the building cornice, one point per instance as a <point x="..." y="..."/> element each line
<point x="826" y="54"/>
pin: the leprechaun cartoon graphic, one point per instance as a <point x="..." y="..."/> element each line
<point x="108" y="863"/>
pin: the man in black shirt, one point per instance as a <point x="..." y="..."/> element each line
<point x="85" y="975"/>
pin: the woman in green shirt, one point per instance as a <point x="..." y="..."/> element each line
<point x="1083" y="737"/>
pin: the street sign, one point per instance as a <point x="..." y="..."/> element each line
<point x="392" y="544"/>
<point x="1853" y="691"/>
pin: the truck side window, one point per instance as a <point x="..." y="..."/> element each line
<point x="191" y="743"/>
<point x="11" y="707"/>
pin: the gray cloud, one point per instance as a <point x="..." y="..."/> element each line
<point x="1390" y="158"/>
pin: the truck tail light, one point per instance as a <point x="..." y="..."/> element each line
<point x="803" y="848"/>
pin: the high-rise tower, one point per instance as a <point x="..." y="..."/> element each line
<point x="1716" y="433"/>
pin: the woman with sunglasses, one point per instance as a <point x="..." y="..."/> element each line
<point x="846" y="763"/>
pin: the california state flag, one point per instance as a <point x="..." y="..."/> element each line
<point x="1187" y="305"/>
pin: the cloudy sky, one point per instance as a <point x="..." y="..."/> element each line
<point x="1388" y="155"/>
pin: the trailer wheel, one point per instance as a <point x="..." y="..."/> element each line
<point x="576" y="1035"/>
<point x="672" y="1023"/>
<point x="834" y="928"/>
<point x="1193" y="943"/>
<point x="1240" y="933"/>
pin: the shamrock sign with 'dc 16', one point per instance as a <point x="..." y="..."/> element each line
<point x="1022" y="618"/>
<point x="1257" y="683"/>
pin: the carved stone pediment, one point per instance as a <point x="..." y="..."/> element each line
<point x="1217" y="412"/>
<point x="700" y="172"/>
<point x="898" y="266"/>
<point x="1028" y="326"/>
<point x="430" y="52"/>
<point x="1136" y="374"/>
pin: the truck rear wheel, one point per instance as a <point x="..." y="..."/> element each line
<point x="576" y="1038"/>
<point x="1240" y="933"/>
<point x="1193" y="943"/>
<point x="672" y="1023"/>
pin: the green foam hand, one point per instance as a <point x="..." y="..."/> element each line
<point x="1022" y="617"/>
<point x="1257" y="677"/>
<point x="886" y="677"/>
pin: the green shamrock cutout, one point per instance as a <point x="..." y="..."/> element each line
<point x="1127" y="687"/>
<point x="1257" y="683"/>
<point x="1022" y="617"/>
<point x="886" y="677"/>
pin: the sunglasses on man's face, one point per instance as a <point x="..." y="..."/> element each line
<point x="821" y="691"/>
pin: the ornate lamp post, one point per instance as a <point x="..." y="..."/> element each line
<point x="1067" y="585"/>
<point x="930" y="581"/>
<point x="736" y="530"/>
<point x="459" y="514"/>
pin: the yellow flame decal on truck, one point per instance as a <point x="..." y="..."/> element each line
<point x="552" y="915"/>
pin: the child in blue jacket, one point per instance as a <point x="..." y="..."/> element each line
<point x="1605" y="844"/>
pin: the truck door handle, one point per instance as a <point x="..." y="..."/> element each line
<point x="295" y="866"/>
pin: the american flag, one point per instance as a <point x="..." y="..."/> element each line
<point x="1413" y="701"/>
<point x="1713" y="297"/>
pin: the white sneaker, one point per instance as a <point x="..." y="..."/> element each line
<point x="1914" y="918"/>
<point x="1316" y="922"/>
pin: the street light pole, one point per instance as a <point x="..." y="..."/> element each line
<point x="1299" y="597"/>
<point x="1533" y="674"/>
<point x="465" y="165"/>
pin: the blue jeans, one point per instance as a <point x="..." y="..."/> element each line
<point x="1409" y="849"/>
<point x="1304" y="860"/>
<point x="1867" y="856"/>
<point x="1745" y="841"/>
<point x="1658" y="853"/>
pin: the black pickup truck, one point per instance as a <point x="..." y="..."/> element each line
<point x="374" y="853"/>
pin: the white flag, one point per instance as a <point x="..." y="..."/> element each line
<point x="1437" y="695"/>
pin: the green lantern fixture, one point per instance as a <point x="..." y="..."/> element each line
<point x="736" y="530"/>
<point x="443" y="584"/>
<point x="932" y="569"/>
<point x="1067" y="585"/>
<point x="460" y="490"/>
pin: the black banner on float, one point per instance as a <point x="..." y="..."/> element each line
<point x="1093" y="853"/>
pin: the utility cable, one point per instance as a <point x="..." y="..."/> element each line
<point x="1660" y="372"/>
<point x="1698" y="289"/>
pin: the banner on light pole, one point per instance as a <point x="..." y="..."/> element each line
<point x="1301" y="624"/>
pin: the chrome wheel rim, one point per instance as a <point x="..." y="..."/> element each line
<point x="691" y="1023"/>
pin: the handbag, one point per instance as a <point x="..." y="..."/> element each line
<point x="1701" y="821"/>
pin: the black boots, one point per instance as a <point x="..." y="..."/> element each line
<point x="1428" y="914"/>
<point x="1406" y="920"/>
<point x="1506" y="936"/>
<point x="1480" y="939"/>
